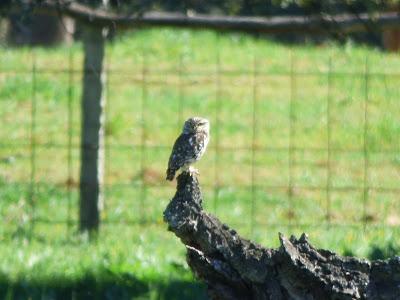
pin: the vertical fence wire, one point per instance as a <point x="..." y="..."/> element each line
<point x="217" y="121"/>
<point x="70" y="134"/>
<point x="329" y="142"/>
<point x="32" y="186"/>
<point x="3" y="112"/>
<point x="291" y="136"/>
<point x="253" y="144"/>
<point x="180" y="91"/>
<point x="365" y="144"/>
<point x="143" y="192"/>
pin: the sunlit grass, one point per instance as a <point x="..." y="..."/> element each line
<point x="286" y="89"/>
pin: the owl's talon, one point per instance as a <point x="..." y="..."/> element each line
<point x="192" y="171"/>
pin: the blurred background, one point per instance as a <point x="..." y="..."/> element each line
<point x="305" y="137"/>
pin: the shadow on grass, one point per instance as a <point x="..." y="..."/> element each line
<point x="91" y="288"/>
<point x="125" y="286"/>
<point x="385" y="251"/>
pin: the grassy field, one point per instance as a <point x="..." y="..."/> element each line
<point x="323" y="120"/>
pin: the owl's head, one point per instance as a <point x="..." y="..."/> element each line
<point x="196" y="124"/>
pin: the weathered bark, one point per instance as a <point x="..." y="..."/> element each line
<point x="92" y="136"/>
<point x="236" y="268"/>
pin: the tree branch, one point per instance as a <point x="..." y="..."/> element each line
<point x="236" y="268"/>
<point x="99" y="17"/>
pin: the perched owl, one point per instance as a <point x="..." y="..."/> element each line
<point x="189" y="147"/>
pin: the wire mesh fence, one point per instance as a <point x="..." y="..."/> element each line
<point x="293" y="142"/>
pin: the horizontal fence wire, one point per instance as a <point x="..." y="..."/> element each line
<point x="357" y="225"/>
<point x="179" y="79"/>
<point x="223" y="148"/>
<point x="160" y="72"/>
<point x="220" y="186"/>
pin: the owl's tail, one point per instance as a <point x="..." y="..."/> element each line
<point x="170" y="174"/>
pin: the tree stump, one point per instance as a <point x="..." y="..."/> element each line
<point x="235" y="268"/>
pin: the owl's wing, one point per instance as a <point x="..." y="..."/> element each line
<point x="187" y="148"/>
<point x="183" y="151"/>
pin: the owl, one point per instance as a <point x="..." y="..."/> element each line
<point x="189" y="147"/>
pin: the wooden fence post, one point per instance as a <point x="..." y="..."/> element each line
<point x="92" y="136"/>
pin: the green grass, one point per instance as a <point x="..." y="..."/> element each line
<point x="183" y="78"/>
